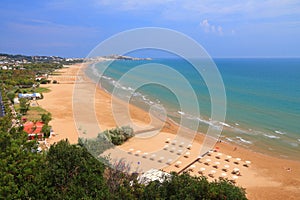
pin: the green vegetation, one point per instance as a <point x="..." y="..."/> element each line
<point x="11" y="95"/>
<point x="17" y="78"/>
<point x="68" y="171"/>
<point x="19" y="165"/>
<point x="33" y="113"/>
<point x="71" y="172"/>
<point x="185" y="186"/>
<point x="46" y="118"/>
<point x="46" y="130"/>
<point x="118" y="135"/>
<point x="33" y="90"/>
<point x="24" y="106"/>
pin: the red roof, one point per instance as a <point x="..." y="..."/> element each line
<point x="31" y="128"/>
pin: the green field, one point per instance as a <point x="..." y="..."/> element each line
<point x="37" y="90"/>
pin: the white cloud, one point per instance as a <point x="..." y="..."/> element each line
<point x="209" y="28"/>
<point x="205" y="25"/>
<point x="133" y="4"/>
<point x="230" y="10"/>
<point x="220" y="30"/>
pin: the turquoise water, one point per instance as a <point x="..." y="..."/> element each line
<point x="263" y="99"/>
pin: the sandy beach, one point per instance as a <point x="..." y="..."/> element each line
<point x="265" y="178"/>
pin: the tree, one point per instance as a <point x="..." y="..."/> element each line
<point x="71" y="172"/>
<point x="24" y="106"/>
<point x="46" y="118"/>
<point x="11" y="95"/>
<point x="185" y="186"/>
<point x="19" y="165"/>
<point x="118" y="135"/>
<point x="46" y="130"/>
<point x="43" y="81"/>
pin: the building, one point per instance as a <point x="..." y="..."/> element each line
<point x="30" y="96"/>
<point x="153" y="175"/>
<point x="34" y="130"/>
<point x="2" y="109"/>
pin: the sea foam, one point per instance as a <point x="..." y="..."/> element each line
<point x="280" y="132"/>
<point x="243" y="140"/>
<point x="271" y="136"/>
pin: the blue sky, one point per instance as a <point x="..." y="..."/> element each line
<point x="224" y="28"/>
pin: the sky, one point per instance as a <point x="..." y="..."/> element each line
<point x="72" y="28"/>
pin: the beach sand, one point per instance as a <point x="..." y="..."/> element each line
<point x="265" y="178"/>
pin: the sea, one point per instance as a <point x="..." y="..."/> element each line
<point x="262" y="97"/>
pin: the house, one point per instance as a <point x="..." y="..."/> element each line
<point x="34" y="130"/>
<point x="30" y="96"/>
<point x="39" y="78"/>
<point x="153" y="175"/>
<point x="16" y="100"/>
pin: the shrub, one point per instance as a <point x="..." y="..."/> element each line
<point x="119" y="135"/>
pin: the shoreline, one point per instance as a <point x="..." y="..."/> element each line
<point x="275" y="181"/>
<point x="285" y="145"/>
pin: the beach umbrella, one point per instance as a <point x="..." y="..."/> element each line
<point x="209" y="153"/>
<point x="234" y="178"/>
<point x="172" y="149"/>
<point x="223" y="174"/>
<point x="211" y="173"/>
<point x="226" y="167"/>
<point x="189" y="146"/>
<point x="219" y="155"/>
<point x="152" y="156"/>
<point x="207" y="161"/>
<point x="216" y="163"/>
<point x="178" y="163"/>
<point x="235" y="170"/>
<point x="179" y="152"/>
<point x="228" y="158"/>
<point x="192" y="167"/>
<point x="174" y="142"/>
<point x="166" y="147"/>
<point x="247" y="163"/>
<point x="145" y="155"/>
<point x="130" y="150"/>
<point x="202" y="169"/>
<point x="168" y="140"/>
<point x="187" y="154"/>
<point x="161" y="159"/>
<point x="169" y="161"/>
<point x="137" y="152"/>
<point x="181" y="144"/>
<point x="237" y="160"/>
